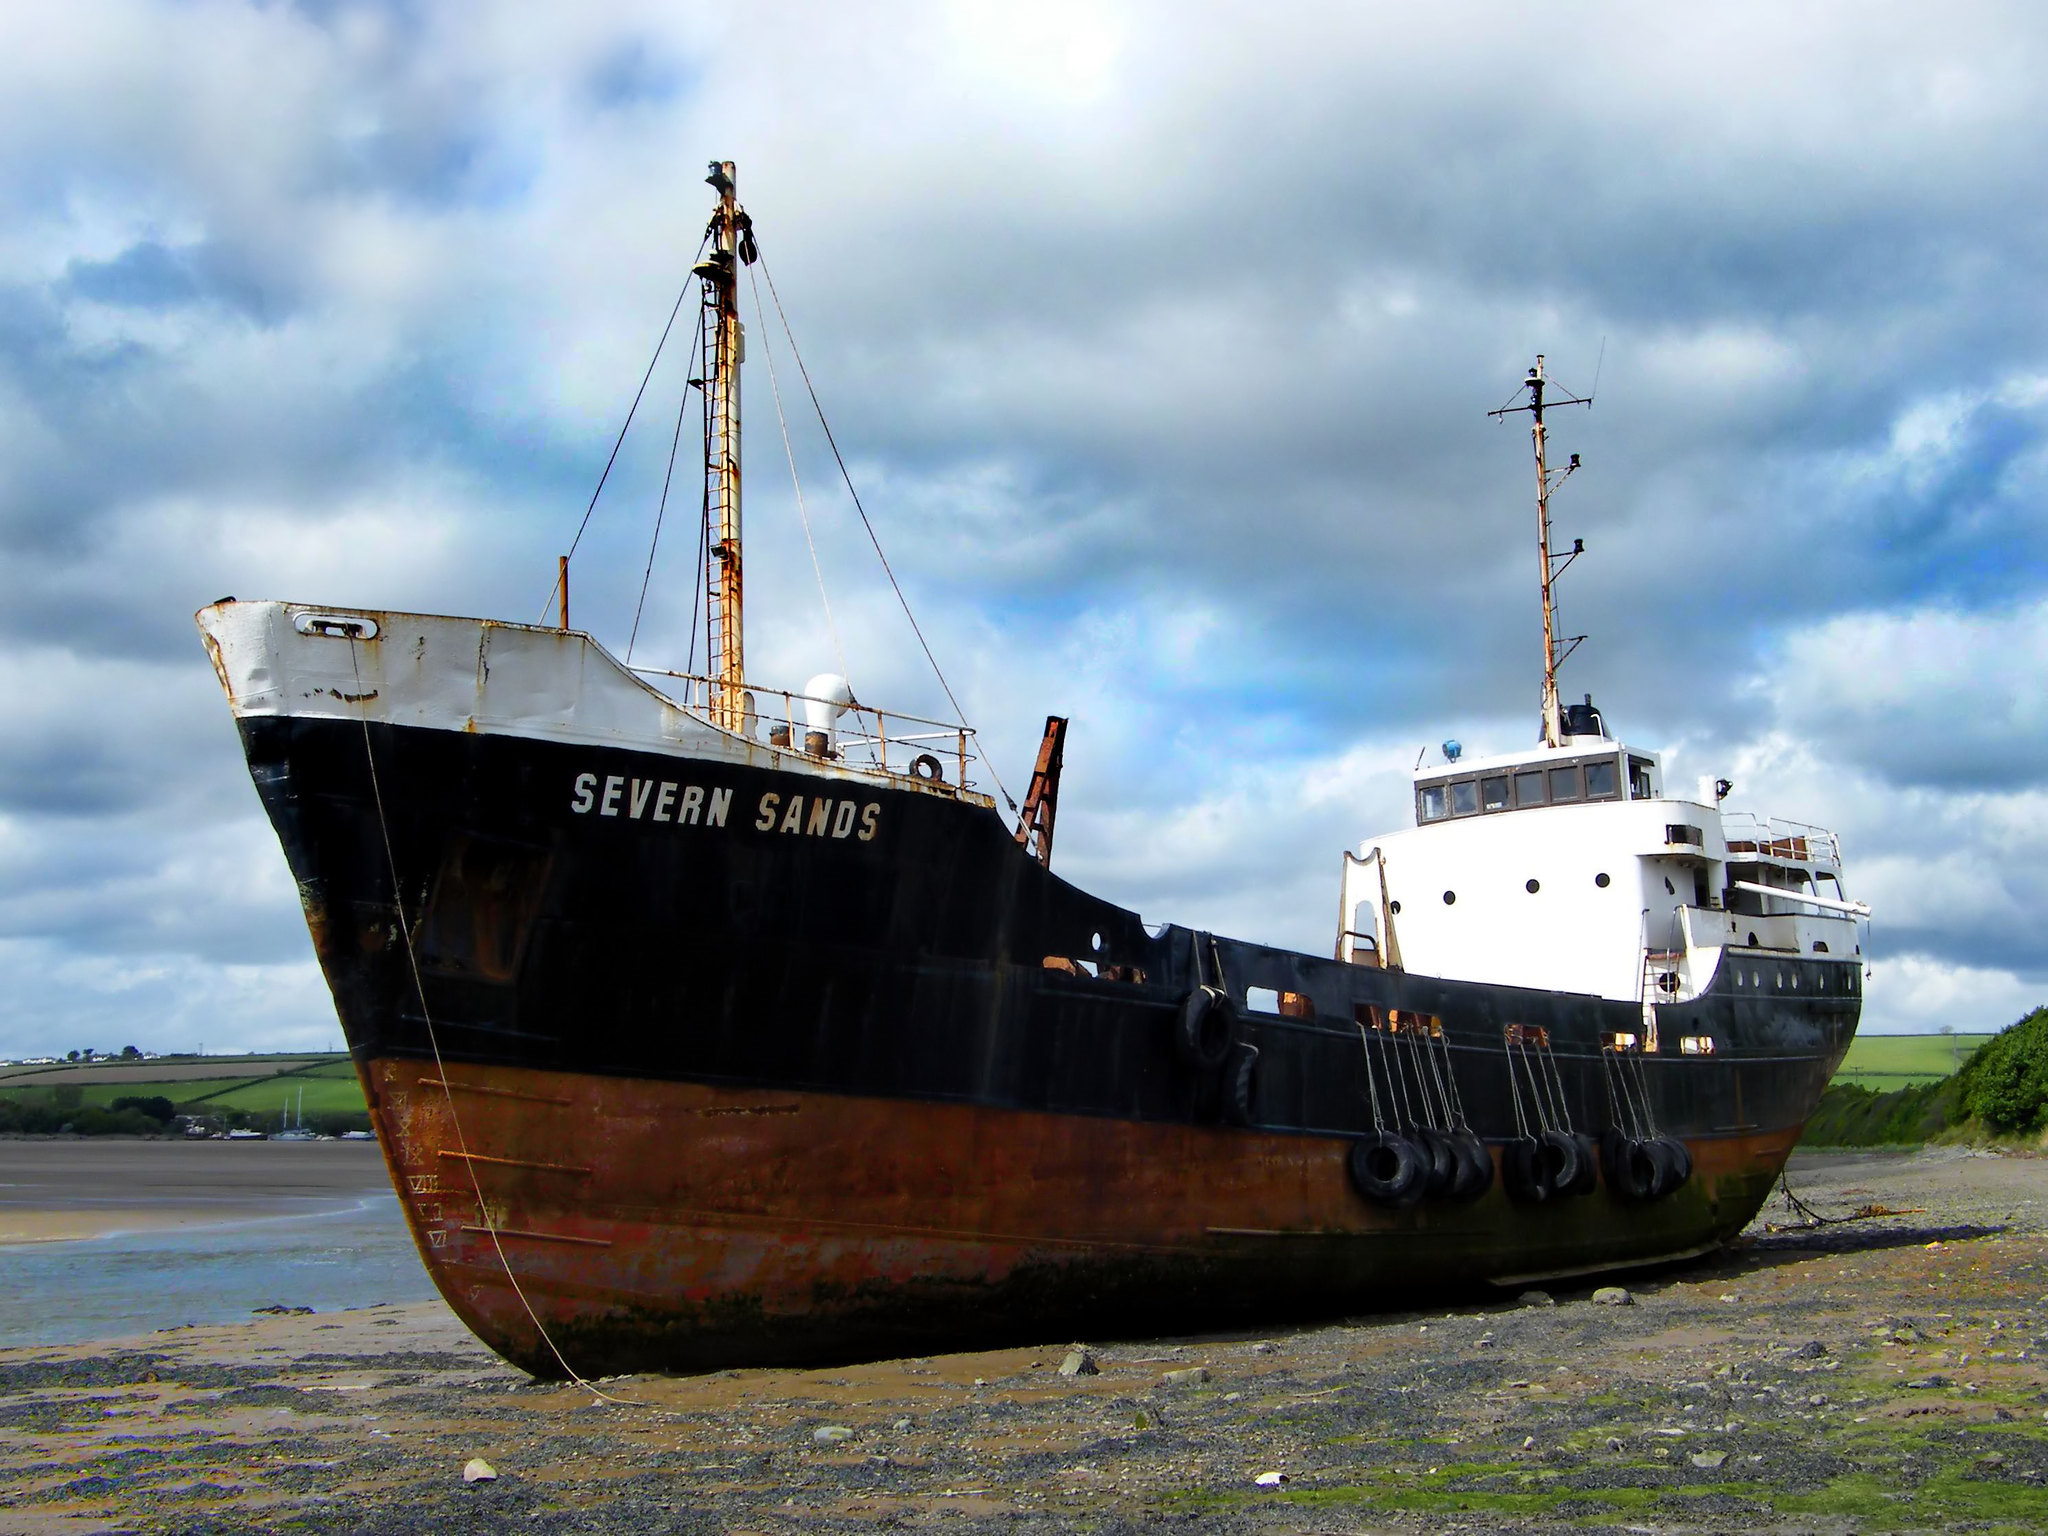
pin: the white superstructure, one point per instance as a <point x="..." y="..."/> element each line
<point x="1570" y="868"/>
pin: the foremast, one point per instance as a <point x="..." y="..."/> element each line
<point x="730" y="241"/>
<point x="1536" y="384"/>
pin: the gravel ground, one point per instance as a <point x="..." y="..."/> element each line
<point x="1881" y="1374"/>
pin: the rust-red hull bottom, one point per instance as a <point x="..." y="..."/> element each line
<point x="641" y="1225"/>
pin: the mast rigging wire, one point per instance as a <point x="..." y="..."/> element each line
<point x="803" y="513"/>
<point x="624" y="426"/>
<point x="661" y="511"/>
<point x="846" y="475"/>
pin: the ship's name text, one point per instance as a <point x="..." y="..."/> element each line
<point x="692" y="805"/>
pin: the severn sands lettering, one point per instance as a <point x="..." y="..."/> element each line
<point x="690" y="805"/>
<point x="650" y="800"/>
<point x="823" y="817"/>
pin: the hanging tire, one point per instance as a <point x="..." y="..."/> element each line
<point x="1564" y="1162"/>
<point x="1674" y="1165"/>
<point x="1588" y="1178"/>
<point x="1525" y="1170"/>
<point x="1206" y="1028"/>
<point x="1388" y="1169"/>
<point x="1632" y="1169"/>
<point x="1443" y="1161"/>
<point x="1475" y="1166"/>
<point x="1240" y="1083"/>
<point x="1684" y="1154"/>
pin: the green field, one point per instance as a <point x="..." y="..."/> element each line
<point x="1885" y="1062"/>
<point x="261" y="1085"/>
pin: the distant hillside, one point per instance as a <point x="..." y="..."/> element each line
<point x="1899" y="1061"/>
<point x="123" y="1096"/>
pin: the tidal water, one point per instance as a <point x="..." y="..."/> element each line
<point x="351" y="1255"/>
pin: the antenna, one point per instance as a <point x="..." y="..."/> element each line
<point x="1534" y="385"/>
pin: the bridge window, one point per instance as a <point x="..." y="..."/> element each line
<point x="1567" y="783"/>
<point x="1435" y="803"/>
<point x="1464" y="798"/>
<point x="1600" y="781"/>
<point x="1493" y="793"/>
<point x="1529" y="787"/>
<point x="1639" y="778"/>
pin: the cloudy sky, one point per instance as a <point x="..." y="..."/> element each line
<point x="1160" y="339"/>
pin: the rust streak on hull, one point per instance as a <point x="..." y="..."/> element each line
<point x="843" y="1227"/>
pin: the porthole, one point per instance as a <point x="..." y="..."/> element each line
<point x="1394" y="907"/>
<point x="1602" y="881"/>
<point x="1532" y="886"/>
<point x="1450" y="898"/>
<point x="1095" y="941"/>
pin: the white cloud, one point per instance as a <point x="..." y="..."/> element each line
<point x="1160" y="342"/>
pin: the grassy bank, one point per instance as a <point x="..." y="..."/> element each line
<point x="1900" y="1061"/>
<point x="1999" y="1094"/>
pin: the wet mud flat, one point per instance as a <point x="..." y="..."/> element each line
<point x="1886" y="1374"/>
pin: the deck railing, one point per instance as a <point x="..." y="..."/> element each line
<point x="1776" y="838"/>
<point x="905" y="746"/>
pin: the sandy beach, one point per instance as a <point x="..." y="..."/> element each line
<point x="56" y="1189"/>
<point x="1885" y="1374"/>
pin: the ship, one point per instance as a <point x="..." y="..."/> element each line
<point x="704" y="1024"/>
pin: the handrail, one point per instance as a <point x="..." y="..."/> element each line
<point x="879" y="741"/>
<point x="1777" y="838"/>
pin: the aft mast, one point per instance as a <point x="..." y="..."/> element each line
<point x="1536" y="384"/>
<point x="731" y="241"/>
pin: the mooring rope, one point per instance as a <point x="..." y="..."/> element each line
<point x="433" y="1042"/>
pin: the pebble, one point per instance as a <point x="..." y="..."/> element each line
<point x="1192" y="1376"/>
<point x="1612" y="1296"/>
<point x="831" y="1434"/>
<point x="1812" y="1349"/>
<point x="477" y="1470"/>
<point x="1536" y="1299"/>
<point x="1709" y="1459"/>
<point x="1080" y="1361"/>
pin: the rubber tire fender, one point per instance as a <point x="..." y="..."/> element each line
<point x="1589" y="1165"/>
<point x="1475" y="1166"/>
<point x="1684" y="1154"/>
<point x="1525" y="1171"/>
<point x="1206" y="1029"/>
<point x="1240" y="1083"/>
<point x="1632" y="1169"/>
<point x="1674" y="1165"/>
<point x="1443" y="1161"/>
<point x="1564" y="1161"/>
<point x="1388" y="1169"/>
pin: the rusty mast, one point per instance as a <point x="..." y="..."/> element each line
<point x="1549" y="569"/>
<point x="730" y="238"/>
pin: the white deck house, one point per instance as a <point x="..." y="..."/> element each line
<point x="1571" y="869"/>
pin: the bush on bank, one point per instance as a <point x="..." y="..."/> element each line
<point x="2001" y="1091"/>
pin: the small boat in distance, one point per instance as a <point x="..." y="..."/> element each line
<point x="705" y="1024"/>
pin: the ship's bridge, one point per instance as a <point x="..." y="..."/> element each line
<point x="1572" y="867"/>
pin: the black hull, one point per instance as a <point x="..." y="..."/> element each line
<point x="891" y="948"/>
